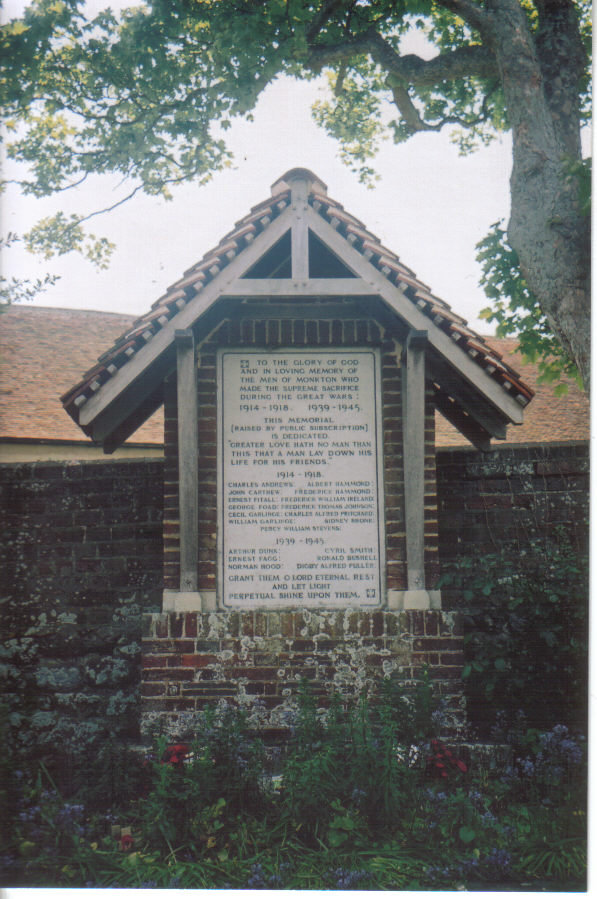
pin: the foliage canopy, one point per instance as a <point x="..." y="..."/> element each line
<point x="148" y="94"/>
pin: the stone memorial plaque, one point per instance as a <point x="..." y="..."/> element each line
<point x="300" y="478"/>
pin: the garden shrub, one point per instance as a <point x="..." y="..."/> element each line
<point x="369" y="798"/>
<point x="525" y="617"/>
<point x="193" y="783"/>
<point x="357" y="763"/>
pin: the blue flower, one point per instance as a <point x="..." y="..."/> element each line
<point x="256" y="879"/>
<point x="344" y="879"/>
<point x="527" y="767"/>
<point x="497" y="863"/>
<point x="488" y="817"/>
<point x="8" y="861"/>
<point x="476" y="798"/>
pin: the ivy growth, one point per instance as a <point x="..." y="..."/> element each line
<point x="525" y="632"/>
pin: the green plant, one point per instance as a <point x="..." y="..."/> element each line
<point x="222" y="767"/>
<point x="560" y="859"/>
<point x="516" y="312"/>
<point x="365" y="757"/>
<point x="208" y="819"/>
<point x="526" y="638"/>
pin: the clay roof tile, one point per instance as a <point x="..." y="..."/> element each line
<point x="259" y="217"/>
<point x="43" y="350"/>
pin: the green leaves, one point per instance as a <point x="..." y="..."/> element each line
<point x="342" y="827"/>
<point x="18" y="290"/>
<point x="147" y="93"/>
<point x="526" y="638"/>
<point x="59" y="234"/>
<point x="352" y="115"/>
<point x="353" y="767"/>
<point x="515" y="311"/>
<point x="467" y="834"/>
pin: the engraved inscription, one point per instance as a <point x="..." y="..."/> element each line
<point x="299" y="478"/>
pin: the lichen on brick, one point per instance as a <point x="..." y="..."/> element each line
<point x="58" y="678"/>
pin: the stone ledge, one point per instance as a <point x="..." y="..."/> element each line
<point x="206" y="601"/>
<point x="188" y="601"/>
<point x="423" y="600"/>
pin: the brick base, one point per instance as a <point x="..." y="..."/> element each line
<point x="257" y="660"/>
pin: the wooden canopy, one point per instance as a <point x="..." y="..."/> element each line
<point x="299" y="244"/>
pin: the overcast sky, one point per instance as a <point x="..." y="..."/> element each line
<point x="430" y="206"/>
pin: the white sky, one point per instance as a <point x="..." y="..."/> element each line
<point x="430" y="206"/>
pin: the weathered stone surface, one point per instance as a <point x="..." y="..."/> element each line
<point x="74" y="538"/>
<point x="348" y="652"/>
<point x="508" y="496"/>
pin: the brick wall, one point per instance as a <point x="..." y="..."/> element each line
<point x="507" y="497"/>
<point x="290" y="333"/>
<point x="80" y="556"/>
<point x="257" y="659"/>
<point x="87" y="530"/>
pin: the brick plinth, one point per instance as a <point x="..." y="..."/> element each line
<point x="257" y="659"/>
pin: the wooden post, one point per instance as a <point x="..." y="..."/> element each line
<point x="413" y="406"/>
<point x="188" y="458"/>
<point x="299" y="236"/>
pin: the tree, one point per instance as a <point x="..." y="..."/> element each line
<point x="149" y="95"/>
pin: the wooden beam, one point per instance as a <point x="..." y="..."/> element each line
<point x="485" y="414"/>
<point x="188" y="458"/>
<point x="164" y="338"/>
<point x="463" y="422"/>
<point x="290" y="287"/>
<point x="413" y="316"/>
<point x="140" y="415"/>
<point x="299" y="237"/>
<point x="309" y="312"/>
<point x="104" y="428"/>
<point x="413" y="424"/>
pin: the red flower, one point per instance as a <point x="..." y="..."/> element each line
<point x="175" y="755"/>
<point x="443" y="759"/>
<point x="126" y="843"/>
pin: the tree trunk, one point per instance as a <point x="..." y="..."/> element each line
<point x="546" y="228"/>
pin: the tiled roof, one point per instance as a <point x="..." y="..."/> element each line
<point x="42" y="350"/>
<point x="420" y="295"/>
<point x="548" y="419"/>
<point x="176" y="298"/>
<point x="244" y="232"/>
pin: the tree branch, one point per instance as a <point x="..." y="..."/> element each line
<point x="409" y="112"/>
<point x="91" y="215"/>
<point x="413" y="120"/>
<point x="326" y="11"/>
<point x="410" y="69"/>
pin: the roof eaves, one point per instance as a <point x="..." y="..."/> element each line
<point x="174" y="300"/>
<point x="195" y="279"/>
<point x="420" y="295"/>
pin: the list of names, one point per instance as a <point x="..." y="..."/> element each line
<point x="299" y="478"/>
